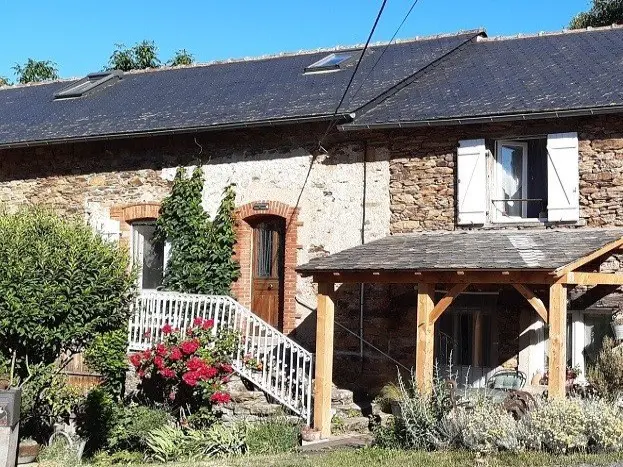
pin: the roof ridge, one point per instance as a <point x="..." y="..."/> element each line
<point x="336" y="48"/>
<point x="549" y="33"/>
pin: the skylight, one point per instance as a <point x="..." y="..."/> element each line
<point x="86" y="85"/>
<point x="330" y="62"/>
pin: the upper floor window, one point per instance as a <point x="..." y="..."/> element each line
<point x="148" y="255"/>
<point x="518" y="180"/>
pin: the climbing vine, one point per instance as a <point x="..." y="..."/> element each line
<point x="201" y="251"/>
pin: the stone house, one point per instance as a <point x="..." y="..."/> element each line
<point x="511" y="139"/>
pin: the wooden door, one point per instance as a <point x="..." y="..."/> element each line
<point x="268" y="266"/>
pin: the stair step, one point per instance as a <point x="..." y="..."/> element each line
<point x="352" y="425"/>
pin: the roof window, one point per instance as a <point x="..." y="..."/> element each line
<point x="328" y="63"/>
<point x="88" y="84"/>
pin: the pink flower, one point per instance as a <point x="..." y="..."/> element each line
<point x="141" y="373"/>
<point x="167" y="373"/>
<point x="161" y="350"/>
<point x="175" y="354"/>
<point x="208" y="324"/>
<point x="190" y="378"/>
<point x="136" y="360"/>
<point x="147" y="354"/>
<point x="220" y="397"/>
<point x="189" y="347"/>
<point x="198" y="322"/>
<point x="159" y="362"/>
<point x="226" y="368"/>
<point x="195" y="364"/>
<point x="167" y="329"/>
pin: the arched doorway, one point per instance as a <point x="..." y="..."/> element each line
<point x="267" y="268"/>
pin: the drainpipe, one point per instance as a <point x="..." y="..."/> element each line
<point x="363" y="241"/>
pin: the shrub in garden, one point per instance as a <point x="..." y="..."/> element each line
<point x="107" y="355"/>
<point x="272" y="436"/>
<point x="604" y="426"/>
<point x="60" y="286"/>
<point x="607" y="373"/>
<point x="187" y="371"/>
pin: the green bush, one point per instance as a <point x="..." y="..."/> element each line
<point x="111" y="426"/>
<point x="107" y="355"/>
<point x="60" y="286"/>
<point x="46" y="399"/>
<point x="117" y="458"/>
<point x="604" y="426"/>
<point x="201" y="254"/>
<point x="607" y="373"/>
<point x="272" y="436"/>
<point x="60" y="454"/>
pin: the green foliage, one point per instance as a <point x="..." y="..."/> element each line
<point x="272" y="436"/>
<point x="171" y="444"/>
<point x="34" y="71"/>
<point x="388" y="394"/>
<point x="601" y="13"/>
<point x="141" y="56"/>
<point x="107" y="355"/>
<point x="607" y="373"/>
<point x="4" y="81"/>
<point x="111" y="426"/>
<point x="201" y="255"/>
<point x="46" y="399"/>
<point x="604" y="426"/>
<point x="59" y="453"/>
<point x="61" y="285"/>
<point x="182" y="58"/>
<point x="104" y="458"/>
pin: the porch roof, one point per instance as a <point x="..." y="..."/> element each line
<point x="515" y="250"/>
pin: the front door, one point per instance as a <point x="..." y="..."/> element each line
<point x="268" y="265"/>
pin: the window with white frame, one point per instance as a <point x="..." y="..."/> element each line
<point x="148" y="255"/>
<point x="524" y="179"/>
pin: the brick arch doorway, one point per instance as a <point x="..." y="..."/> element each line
<point x="268" y="267"/>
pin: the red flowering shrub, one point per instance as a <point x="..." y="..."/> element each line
<point x="187" y="371"/>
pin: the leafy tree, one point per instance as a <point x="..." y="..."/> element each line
<point x="141" y="56"/>
<point x="4" y="81"/>
<point x="182" y="58"/>
<point x="201" y="254"/>
<point x="601" y="13"/>
<point x="34" y="71"/>
<point x="61" y="285"/>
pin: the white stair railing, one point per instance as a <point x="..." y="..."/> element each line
<point x="284" y="369"/>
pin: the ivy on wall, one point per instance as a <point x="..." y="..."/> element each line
<point x="201" y="250"/>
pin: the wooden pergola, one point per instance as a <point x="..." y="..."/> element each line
<point x="582" y="270"/>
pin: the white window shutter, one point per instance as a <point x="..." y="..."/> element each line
<point x="562" y="178"/>
<point x="472" y="188"/>
<point x="110" y="229"/>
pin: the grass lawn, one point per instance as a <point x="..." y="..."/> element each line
<point x="371" y="457"/>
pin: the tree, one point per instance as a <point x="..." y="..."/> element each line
<point x="201" y="254"/>
<point x="141" y="56"/>
<point x="4" y="81"/>
<point x="182" y="58"/>
<point x="61" y="285"/>
<point x="602" y="13"/>
<point x="34" y="71"/>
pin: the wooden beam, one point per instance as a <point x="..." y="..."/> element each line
<point x="446" y="301"/>
<point x="324" y="358"/>
<point x="535" y="301"/>
<point x="425" y="337"/>
<point x="443" y="277"/>
<point x="591" y="278"/>
<point x="590" y="257"/>
<point x="557" y="340"/>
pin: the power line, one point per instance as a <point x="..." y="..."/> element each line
<point x="404" y="20"/>
<point x="365" y="47"/>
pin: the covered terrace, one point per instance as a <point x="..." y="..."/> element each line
<point x="527" y="260"/>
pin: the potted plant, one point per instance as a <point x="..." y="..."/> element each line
<point x="309" y="434"/>
<point x="617" y="325"/>
<point x="389" y="399"/>
<point x="28" y="451"/>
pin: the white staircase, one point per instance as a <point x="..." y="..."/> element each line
<point x="286" y="367"/>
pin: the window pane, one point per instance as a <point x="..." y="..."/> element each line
<point x="596" y="327"/>
<point x="264" y="251"/>
<point x="510" y="179"/>
<point x="149" y="255"/>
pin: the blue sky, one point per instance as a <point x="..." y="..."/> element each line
<point x="80" y="35"/>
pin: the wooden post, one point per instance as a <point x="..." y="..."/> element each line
<point x="425" y="337"/>
<point x="477" y="344"/>
<point x="324" y="359"/>
<point x="557" y="340"/>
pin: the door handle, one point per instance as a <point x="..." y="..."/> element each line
<point x="270" y="286"/>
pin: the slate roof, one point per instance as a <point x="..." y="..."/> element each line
<point x="524" y="75"/>
<point x="465" y="250"/>
<point x="239" y="92"/>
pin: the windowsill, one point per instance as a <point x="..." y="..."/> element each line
<point x="519" y="220"/>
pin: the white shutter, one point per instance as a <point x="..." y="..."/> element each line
<point x="472" y="188"/>
<point x="562" y="178"/>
